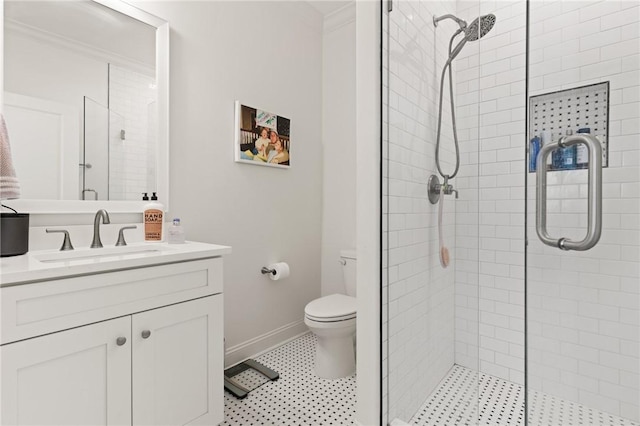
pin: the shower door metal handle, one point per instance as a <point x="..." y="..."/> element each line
<point x="594" y="208"/>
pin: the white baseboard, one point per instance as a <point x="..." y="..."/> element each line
<point x="264" y="343"/>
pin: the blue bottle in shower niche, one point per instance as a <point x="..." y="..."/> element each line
<point x="582" y="152"/>
<point x="565" y="158"/>
<point x="534" y="149"/>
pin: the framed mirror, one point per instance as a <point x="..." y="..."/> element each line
<point x="86" y="101"/>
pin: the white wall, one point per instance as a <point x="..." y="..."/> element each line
<point x="267" y="55"/>
<point x="67" y="77"/>
<point x="368" y="118"/>
<point x="339" y="143"/>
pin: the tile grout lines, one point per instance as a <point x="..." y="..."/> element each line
<point x="298" y="397"/>
<point x="501" y="403"/>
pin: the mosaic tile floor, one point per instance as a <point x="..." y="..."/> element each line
<point x="501" y="403"/>
<point x="298" y="397"/>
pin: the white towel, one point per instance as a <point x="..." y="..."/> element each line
<point x="9" y="185"/>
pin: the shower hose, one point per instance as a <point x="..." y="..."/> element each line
<point x="444" y="251"/>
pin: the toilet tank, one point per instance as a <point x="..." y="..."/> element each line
<point x="348" y="260"/>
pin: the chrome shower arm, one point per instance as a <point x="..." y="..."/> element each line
<point x="461" y="23"/>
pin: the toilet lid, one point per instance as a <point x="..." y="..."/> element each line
<point x="335" y="307"/>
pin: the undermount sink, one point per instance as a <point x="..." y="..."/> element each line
<point x="109" y="253"/>
<point x="46" y="265"/>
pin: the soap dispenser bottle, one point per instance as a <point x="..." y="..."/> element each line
<point x="175" y="233"/>
<point x="153" y="219"/>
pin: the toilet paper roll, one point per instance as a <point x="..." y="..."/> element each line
<point x="281" y="271"/>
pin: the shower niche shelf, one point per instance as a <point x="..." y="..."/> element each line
<point x="572" y="109"/>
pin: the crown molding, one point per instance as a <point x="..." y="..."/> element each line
<point x="56" y="40"/>
<point x="341" y="17"/>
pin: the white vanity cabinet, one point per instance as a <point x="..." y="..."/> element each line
<point x="142" y="346"/>
<point x="178" y="367"/>
<point x="74" y="377"/>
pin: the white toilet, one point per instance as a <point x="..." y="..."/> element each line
<point x="333" y="320"/>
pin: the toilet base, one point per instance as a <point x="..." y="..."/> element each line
<point x="335" y="357"/>
<point x="335" y="354"/>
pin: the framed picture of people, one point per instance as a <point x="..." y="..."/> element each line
<point x="262" y="137"/>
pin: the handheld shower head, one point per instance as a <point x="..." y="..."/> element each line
<point x="480" y="27"/>
<point x="472" y="32"/>
<point x="477" y="29"/>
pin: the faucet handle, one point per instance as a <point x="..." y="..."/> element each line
<point x="66" y="244"/>
<point x="121" y="241"/>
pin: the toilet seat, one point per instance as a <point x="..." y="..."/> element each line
<point x="332" y="308"/>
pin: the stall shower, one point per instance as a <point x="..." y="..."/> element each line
<point x="516" y="301"/>
<point x="118" y="155"/>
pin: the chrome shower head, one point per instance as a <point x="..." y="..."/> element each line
<point x="480" y="27"/>
<point x="477" y="29"/>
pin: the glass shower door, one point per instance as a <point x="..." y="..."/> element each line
<point x="430" y="310"/>
<point x="583" y="305"/>
<point x="94" y="167"/>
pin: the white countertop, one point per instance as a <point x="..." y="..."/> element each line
<point x="43" y="265"/>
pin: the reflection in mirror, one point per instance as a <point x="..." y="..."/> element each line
<point x="81" y="101"/>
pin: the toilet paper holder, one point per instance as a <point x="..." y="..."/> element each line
<point x="276" y="271"/>
<point x="266" y="270"/>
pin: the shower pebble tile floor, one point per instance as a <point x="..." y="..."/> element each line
<point x="501" y="403"/>
<point x="298" y="397"/>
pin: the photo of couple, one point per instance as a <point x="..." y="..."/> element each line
<point x="263" y="137"/>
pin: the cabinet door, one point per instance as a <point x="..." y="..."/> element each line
<point x="178" y="364"/>
<point x="80" y="376"/>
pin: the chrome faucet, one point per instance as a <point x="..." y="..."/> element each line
<point x="102" y="213"/>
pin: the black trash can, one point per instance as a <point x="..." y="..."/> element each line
<point x="14" y="234"/>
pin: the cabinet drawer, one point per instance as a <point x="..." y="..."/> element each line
<point x="34" y="309"/>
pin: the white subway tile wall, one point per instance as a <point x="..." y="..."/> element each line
<point x="490" y="212"/>
<point x="418" y="293"/>
<point x="132" y="161"/>
<point x="584" y="335"/>
<point x="584" y="307"/>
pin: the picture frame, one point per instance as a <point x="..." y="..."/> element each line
<point x="262" y="138"/>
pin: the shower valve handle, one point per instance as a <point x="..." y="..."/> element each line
<point x="435" y="188"/>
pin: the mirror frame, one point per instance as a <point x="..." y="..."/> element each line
<point x="162" y="159"/>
